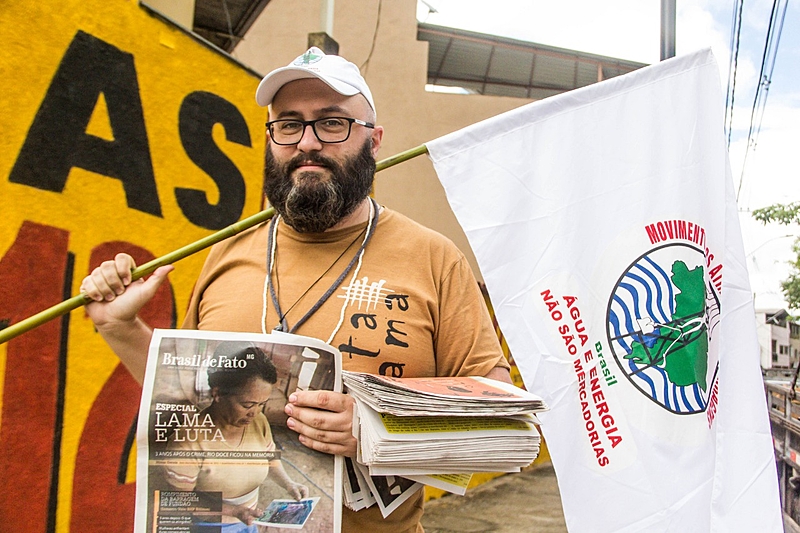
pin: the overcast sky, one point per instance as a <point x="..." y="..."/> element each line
<point x="630" y="29"/>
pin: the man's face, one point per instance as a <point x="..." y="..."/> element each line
<point x="314" y="185"/>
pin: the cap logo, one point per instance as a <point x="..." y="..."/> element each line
<point x="308" y="58"/>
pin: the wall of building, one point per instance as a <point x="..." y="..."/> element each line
<point x="394" y="64"/>
<point x="119" y="133"/>
<point x="794" y="344"/>
<point x="774" y="340"/>
<point x="781" y="356"/>
<point x="181" y="12"/>
<point x="764" y="335"/>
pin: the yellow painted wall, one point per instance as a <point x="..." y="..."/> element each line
<point x="106" y="114"/>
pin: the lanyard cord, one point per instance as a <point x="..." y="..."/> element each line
<point x="283" y="324"/>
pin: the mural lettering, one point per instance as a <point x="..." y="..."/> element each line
<point x="116" y="125"/>
<point x="35" y="273"/>
<point x="199" y="112"/>
<point x="57" y="139"/>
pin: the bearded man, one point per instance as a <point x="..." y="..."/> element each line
<point x="393" y="297"/>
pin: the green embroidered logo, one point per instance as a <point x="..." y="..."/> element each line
<point x="308" y="58"/>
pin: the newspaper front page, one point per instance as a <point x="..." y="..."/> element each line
<point x="214" y="453"/>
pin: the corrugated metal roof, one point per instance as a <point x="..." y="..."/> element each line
<point x="481" y="63"/>
<point x="488" y="64"/>
<point x="224" y="22"/>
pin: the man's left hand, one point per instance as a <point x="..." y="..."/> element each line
<point x="324" y="421"/>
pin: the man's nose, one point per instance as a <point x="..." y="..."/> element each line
<point x="309" y="141"/>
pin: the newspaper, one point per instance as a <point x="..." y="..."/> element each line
<point x="357" y="493"/>
<point x="455" y="483"/>
<point x="426" y="445"/>
<point x="213" y="447"/>
<point x="432" y="396"/>
<point x="434" y="431"/>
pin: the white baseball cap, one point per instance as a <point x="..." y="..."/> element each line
<point x="341" y="75"/>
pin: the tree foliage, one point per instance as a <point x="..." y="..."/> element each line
<point x="786" y="214"/>
<point x="781" y="213"/>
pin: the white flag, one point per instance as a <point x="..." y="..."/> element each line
<point x="605" y="226"/>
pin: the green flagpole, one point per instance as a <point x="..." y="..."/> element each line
<point x="148" y="268"/>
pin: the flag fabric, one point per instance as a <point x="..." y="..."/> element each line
<point x="605" y="226"/>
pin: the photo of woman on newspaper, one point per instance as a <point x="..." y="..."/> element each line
<point x="219" y="456"/>
<point x="239" y="397"/>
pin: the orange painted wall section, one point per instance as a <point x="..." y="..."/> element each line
<point x="118" y="133"/>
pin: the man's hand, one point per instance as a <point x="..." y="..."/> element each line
<point x="324" y="421"/>
<point x="117" y="299"/>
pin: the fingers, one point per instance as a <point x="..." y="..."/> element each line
<point x="325" y="400"/>
<point x="116" y="298"/>
<point x="112" y="278"/>
<point x="339" y="441"/>
<point x="152" y="283"/>
<point x="124" y="267"/>
<point x="324" y="421"/>
<point x="247" y="515"/>
<point x="298" y="491"/>
<point x="109" y="280"/>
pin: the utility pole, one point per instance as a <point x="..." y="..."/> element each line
<point x="667" y="29"/>
<point x="323" y="39"/>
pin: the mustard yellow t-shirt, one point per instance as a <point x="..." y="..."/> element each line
<point x="411" y="309"/>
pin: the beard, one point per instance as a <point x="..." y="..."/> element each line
<point x="311" y="204"/>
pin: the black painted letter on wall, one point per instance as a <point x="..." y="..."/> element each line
<point x="57" y="139"/>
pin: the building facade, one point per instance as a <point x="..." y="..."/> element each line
<point x="123" y="130"/>
<point x="778" y="339"/>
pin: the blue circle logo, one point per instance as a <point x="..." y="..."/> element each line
<point x="661" y="318"/>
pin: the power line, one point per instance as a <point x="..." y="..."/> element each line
<point x="762" y="89"/>
<point x="768" y="80"/>
<point x="736" y="32"/>
<point x="365" y="65"/>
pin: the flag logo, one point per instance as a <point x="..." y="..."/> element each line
<point x="308" y="58"/>
<point x="661" y="320"/>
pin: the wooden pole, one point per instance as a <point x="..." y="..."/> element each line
<point x="148" y="268"/>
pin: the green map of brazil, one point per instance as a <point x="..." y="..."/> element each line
<point x="679" y="346"/>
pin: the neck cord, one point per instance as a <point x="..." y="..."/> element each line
<point x="283" y="324"/>
<point x="335" y="261"/>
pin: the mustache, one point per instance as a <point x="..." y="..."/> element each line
<point x="312" y="206"/>
<point x="309" y="158"/>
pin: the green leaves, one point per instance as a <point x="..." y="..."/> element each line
<point x="781" y="213"/>
<point x="786" y="214"/>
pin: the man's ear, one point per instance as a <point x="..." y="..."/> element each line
<point x="377" y="137"/>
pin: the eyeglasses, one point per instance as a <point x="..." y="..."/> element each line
<point x="328" y="130"/>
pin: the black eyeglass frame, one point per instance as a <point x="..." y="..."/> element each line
<point x="313" y="124"/>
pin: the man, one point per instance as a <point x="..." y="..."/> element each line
<point x="395" y="298"/>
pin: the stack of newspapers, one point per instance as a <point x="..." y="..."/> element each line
<point x="422" y="427"/>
